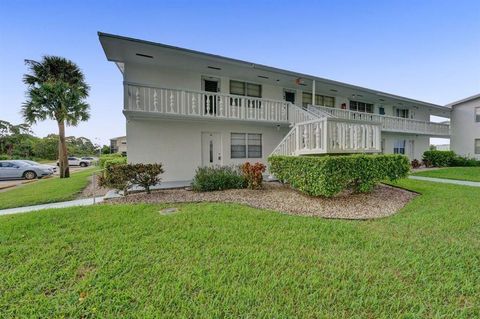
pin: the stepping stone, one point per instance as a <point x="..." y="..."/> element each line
<point x="168" y="211"/>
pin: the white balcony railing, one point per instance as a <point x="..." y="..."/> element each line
<point x="389" y="123"/>
<point x="331" y="135"/>
<point x="165" y="101"/>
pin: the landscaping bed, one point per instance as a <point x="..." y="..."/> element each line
<point x="382" y="201"/>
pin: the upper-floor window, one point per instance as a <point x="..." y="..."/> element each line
<point x="361" y="107"/>
<point x="477" y="146"/>
<point x="403" y="113"/>
<point x="245" y="88"/>
<point x="322" y="100"/>
<point x="381" y="110"/>
<point x="477" y="114"/>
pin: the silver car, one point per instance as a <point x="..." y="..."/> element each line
<point x="16" y="169"/>
<point x="29" y="162"/>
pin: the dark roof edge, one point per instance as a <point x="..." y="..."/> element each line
<point x="271" y="69"/>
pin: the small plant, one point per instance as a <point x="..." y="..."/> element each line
<point x="438" y="158"/>
<point x="146" y="175"/>
<point x="253" y="174"/>
<point x="415" y="163"/>
<point x="122" y="176"/>
<point x="117" y="176"/>
<point x="217" y="178"/>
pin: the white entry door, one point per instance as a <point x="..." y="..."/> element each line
<point x="211" y="149"/>
<point x="411" y="149"/>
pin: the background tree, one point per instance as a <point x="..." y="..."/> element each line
<point x="105" y="149"/>
<point x="56" y="90"/>
<point x="16" y="140"/>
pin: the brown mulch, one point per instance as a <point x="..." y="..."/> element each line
<point x="383" y="201"/>
<point x="89" y="191"/>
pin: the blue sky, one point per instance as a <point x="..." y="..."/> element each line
<point x="426" y="50"/>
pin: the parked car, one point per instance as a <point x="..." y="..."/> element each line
<point x="93" y="160"/>
<point x="29" y="162"/>
<point x="16" y="169"/>
<point x="75" y="161"/>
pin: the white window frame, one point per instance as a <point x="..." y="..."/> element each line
<point x="477" y="114"/>
<point x="396" y="147"/>
<point x="246" y="139"/>
<point x="476" y="146"/>
<point x="245" y="89"/>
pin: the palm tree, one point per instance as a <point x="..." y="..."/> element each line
<point x="56" y="90"/>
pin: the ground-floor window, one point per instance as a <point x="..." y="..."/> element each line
<point x="399" y="147"/>
<point x="245" y="145"/>
<point x="477" y="146"/>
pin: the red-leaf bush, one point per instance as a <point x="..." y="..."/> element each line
<point x="416" y="163"/>
<point x="253" y="174"/>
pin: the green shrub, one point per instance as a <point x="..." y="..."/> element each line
<point x="121" y="175"/>
<point x="4" y="157"/>
<point x="329" y="175"/>
<point x="117" y="176"/>
<point x="462" y="161"/>
<point x="146" y="175"/>
<point x="114" y="161"/>
<point x="438" y="158"/>
<point x="108" y="157"/>
<point x="217" y="178"/>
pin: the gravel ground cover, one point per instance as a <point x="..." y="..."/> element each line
<point x="383" y="201"/>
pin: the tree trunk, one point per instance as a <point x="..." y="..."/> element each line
<point x="62" y="151"/>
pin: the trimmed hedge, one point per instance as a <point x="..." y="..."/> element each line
<point x="217" y="178"/>
<point x="438" y="158"/>
<point x="329" y="175"/>
<point x="107" y="157"/>
<point x="114" y="161"/>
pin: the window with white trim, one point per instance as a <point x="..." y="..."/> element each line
<point x="477" y="114"/>
<point x="477" y="146"/>
<point x="399" y="147"/>
<point x="245" y="88"/>
<point x="403" y="113"/>
<point x="361" y="107"/>
<point x="321" y="100"/>
<point x="245" y="145"/>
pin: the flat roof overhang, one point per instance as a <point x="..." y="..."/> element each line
<point x="121" y="50"/>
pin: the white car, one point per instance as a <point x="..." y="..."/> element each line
<point x="75" y="161"/>
<point x="51" y="167"/>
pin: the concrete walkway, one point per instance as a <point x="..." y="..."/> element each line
<point x="77" y="202"/>
<point x="445" y="181"/>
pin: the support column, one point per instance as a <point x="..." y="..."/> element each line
<point x="313" y="92"/>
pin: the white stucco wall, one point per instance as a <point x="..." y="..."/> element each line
<point x="177" y="144"/>
<point x="464" y="128"/>
<point x="412" y="150"/>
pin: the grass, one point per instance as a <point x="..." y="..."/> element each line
<point x="227" y="260"/>
<point x="47" y="190"/>
<point x="459" y="173"/>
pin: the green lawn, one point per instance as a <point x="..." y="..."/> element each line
<point x="229" y="261"/>
<point x="461" y="173"/>
<point x="47" y="190"/>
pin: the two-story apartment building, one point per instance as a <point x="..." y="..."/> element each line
<point x="188" y="109"/>
<point x="118" y="145"/>
<point x="465" y="139"/>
